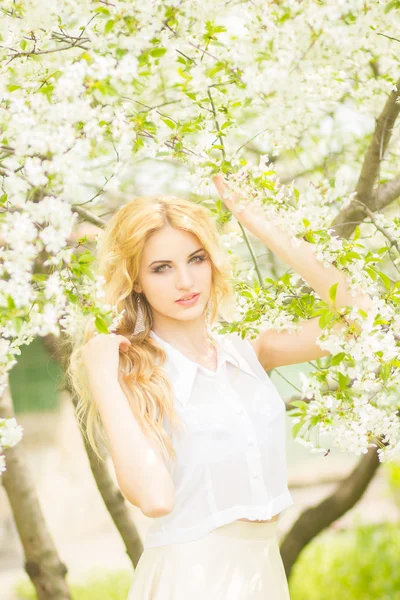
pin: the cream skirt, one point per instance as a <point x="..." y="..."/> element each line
<point x="238" y="561"/>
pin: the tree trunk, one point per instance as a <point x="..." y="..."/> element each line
<point x="42" y="563"/>
<point x="313" y="520"/>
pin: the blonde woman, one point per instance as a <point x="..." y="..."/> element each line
<point x="195" y="427"/>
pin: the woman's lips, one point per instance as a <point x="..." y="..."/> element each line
<point x="192" y="300"/>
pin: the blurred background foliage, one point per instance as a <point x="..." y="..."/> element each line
<point x="35" y="379"/>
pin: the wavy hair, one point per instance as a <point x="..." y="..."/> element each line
<point x="145" y="383"/>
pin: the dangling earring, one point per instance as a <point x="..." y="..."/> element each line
<point x="209" y="311"/>
<point x="139" y="325"/>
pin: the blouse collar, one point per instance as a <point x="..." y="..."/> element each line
<point x="183" y="370"/>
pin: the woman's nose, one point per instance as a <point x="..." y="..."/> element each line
<point x="184" y="278"/>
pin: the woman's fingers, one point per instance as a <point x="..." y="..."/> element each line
<point x="220" y="184"/>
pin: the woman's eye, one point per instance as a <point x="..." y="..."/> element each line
<point x="160" y="269"/>
<point x="201" y="258"/>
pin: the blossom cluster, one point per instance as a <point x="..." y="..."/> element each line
<point x="10" y="435"/>
<point x="93" y="92"/>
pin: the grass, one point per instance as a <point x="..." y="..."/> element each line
<point x="361" y="564"/>
<point x="99" y="586"/>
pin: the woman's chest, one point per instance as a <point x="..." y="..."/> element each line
<point x="224" y="416"/>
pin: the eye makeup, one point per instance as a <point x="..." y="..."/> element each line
<point x="158" y="269"/>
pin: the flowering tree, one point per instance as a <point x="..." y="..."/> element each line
<point x="295" y="101"/>
<point x="89" y="89"/>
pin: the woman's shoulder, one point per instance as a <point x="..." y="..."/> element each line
<point x="237" y="338"/>
<point x="242" y="344"/>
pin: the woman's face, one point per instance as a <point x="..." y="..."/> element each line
<point x="174" y="265"/>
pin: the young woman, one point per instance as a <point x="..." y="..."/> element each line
<point x="195" y="427"/>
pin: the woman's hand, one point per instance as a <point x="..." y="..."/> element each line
<point x="101" y="356"/>
<point x="230" y="199"/>
<point x="246" y="213"/>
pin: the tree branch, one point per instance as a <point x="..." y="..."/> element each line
<point x="386" y="193"/>
<point x="371" y="165"/>
<point x="76" y="43"/>
<point x="371" y="215"/>
<point x="88" y="216"/>
<point x="378" y="145"/>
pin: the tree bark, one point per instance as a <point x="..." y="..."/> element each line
<point x="42" y="562"/>
<point x="112" y="497"/>
<point x="313" y="520"/>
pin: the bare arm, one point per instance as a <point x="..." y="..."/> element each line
<point x="140" y="468"/>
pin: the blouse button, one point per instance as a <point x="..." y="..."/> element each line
<point x="250" y="441"/>
<point x="239" y="410"/>
<point x="255" y="474"/>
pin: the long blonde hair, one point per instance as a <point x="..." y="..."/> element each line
<point x="145" y="382"/>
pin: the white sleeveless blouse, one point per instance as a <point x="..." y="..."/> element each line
<point x="231" y="460"/>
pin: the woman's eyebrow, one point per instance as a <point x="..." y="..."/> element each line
<point x="169" y="261"/>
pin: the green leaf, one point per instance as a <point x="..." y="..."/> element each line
<point x="385" y="371"/>
<point x="351" y="254"/>
<point x="109" y="25"/>
<point x="214" y="70"/>
<point x="326" y="317"/>
<point x="157" y="52"/>
<point x="385" y="279"/>
<point x="101" y="324"/>
<point x="371" y="273"/>
<point x="86" y="257"/>
<point x="333" y="291"/>
<point x="296" y="428"/>
<point x="226" y="124"/>
<point x="342" y="380"/>
<point x="17" y="323"/>
<point x="139" y="143"/>
<point x="337" y="358"/>
<point x="393" y="5"/>
<point x="87" y="271"/>
<point x="23" y="44"/>
<point x="310" y="237"/>
<point x="102" y="10"/>
<point x="183" y="74"/>
<point x="190" y="95"/>
<point x="299" y="403"/>
<point x="168" y="122"/>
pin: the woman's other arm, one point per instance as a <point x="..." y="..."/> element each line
<point x="141" y="471"/>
